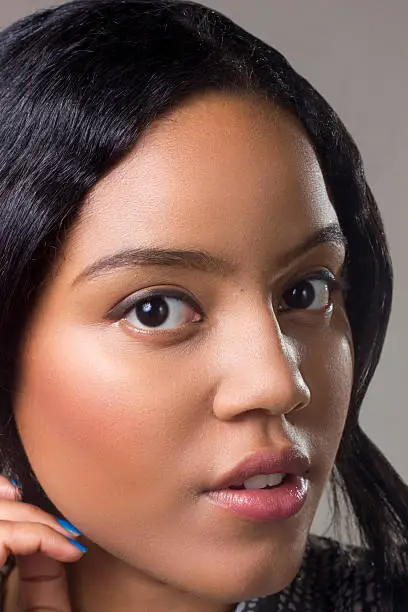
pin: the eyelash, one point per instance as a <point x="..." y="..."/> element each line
<point x="335" y="285"/>
<point x="130" y="304"/>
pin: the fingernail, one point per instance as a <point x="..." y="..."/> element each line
<point x="68" y="526"/>
<point x="78" y="545"/>
<point x="15" y="483"/>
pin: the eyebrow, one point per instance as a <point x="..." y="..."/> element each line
<point x="201" y="260"/>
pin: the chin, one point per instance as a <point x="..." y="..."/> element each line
<point x="260" y="583"/>
<point x="241" y="579"/>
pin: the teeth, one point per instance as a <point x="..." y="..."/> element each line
<point x="262" y="481"/>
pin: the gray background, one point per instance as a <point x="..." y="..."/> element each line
<point x="356" y="55"/>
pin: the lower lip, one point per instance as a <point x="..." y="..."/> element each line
<point x="262" y="505"/>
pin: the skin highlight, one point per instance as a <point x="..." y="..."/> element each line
<point x="124" y="428"/>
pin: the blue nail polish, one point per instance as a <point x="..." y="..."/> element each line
<point x="15" y="483"/>
<point x="78" y="545"/>
<point x="68" y="526"/>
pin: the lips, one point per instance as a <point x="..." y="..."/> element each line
<point x="289" y="461"/>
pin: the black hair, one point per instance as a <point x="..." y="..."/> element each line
<point x="79" y="84"/>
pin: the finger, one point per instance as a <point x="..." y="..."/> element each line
<point x="42" y="584"/>
<point x="27" y="513"/>
<point x="30" y="538"/>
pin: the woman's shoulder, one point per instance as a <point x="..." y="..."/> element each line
<point x="333" y="577"/>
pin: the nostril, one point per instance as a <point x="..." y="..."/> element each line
<point x="298" y="406"/>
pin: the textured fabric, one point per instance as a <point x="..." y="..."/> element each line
<point x="332" y="578"/>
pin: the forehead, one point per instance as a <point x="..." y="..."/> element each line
<point x="215" y="173"/>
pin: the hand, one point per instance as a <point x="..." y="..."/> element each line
<point x="40" y="546"/>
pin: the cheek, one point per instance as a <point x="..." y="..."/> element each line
<point x="328" y="372"/>
<point x="95" y="415"/>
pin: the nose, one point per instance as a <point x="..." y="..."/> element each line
<point x="258" y="371"/>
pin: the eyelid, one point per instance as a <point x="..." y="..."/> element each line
<point x="336" y="283"/>
<point x="126" y="305"/>
<point x="322" y="273"/>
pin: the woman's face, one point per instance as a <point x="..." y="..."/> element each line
<point x="128" y="414"/>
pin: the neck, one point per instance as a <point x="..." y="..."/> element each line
<point x="99" y="582"/>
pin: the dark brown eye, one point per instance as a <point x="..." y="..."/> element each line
<point x="152" y="312"/>
<point x="308" y="294"/>
<point x="161" y="312"/>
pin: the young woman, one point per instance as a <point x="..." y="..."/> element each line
<point x="195" y="287"/>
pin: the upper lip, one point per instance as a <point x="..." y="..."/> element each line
<point x="289" y="461"/>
